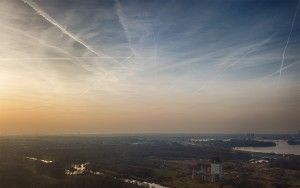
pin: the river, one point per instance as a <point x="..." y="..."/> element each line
<point x="282" y="147"/>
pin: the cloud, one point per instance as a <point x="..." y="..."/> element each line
<point x="146" y="62"/>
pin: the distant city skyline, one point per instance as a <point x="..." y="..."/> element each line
<point x="208" y="66"/>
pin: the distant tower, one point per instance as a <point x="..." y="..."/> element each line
<point x="216" y="170"/>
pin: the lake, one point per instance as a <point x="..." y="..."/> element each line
<point x="282" y="147"/>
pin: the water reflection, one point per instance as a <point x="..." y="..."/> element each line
<point x="282" y="147"/>
<point x="144" y="184"/>
<point x="41" y="160"/>
<point x="78" y="169"/>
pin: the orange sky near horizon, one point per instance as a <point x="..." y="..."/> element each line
<point x="131" y="67"/>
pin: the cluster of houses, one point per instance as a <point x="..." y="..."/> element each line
<point x="208" y="171"/>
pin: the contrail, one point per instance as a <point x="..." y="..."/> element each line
<point x="244" y="52"/>
<point x="52" y="21"/>
<point x="57" y="25"/>
<point x="283" y="68"/>
<point x="46" y="44"/>
<point x="57" y="58"/>
<point x="120" y="14"/>
<point x="288" y="40"/>
<point x="277" y="71"/>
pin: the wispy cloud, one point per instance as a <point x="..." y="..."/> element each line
<point x="150" y="58"/>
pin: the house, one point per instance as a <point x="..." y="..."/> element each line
<point x="210" y="171"/>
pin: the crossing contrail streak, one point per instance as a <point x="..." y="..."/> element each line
<point x="288" y="40"/>
<point x="47" y="17"/>
<point x="46" y="44"/>
<point x="57" y="58"/>
<point x="122" y="21"/>
<point x="36" y="8"/>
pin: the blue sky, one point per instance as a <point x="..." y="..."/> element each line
<point x="182" y="66"/>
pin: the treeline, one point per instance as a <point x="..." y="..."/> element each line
<point x="292" y="163"/>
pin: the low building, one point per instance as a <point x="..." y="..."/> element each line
<point x="210" y="171"/>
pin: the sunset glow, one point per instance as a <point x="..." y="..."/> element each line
<point x="148" y="66"/>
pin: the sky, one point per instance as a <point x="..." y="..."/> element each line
<point x="174" y="66"/>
